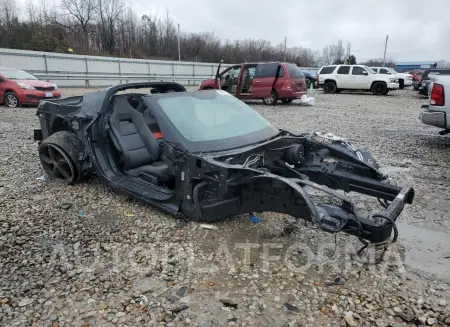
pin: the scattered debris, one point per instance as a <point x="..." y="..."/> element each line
<point x="129" y="214"/>
<point x="307" y="101"/>
<point x="211" y="284"/>
<point x="44" y="177"/>
<point x="81" y="214"/>
<point x="228" y="302"/>
<point x="208" y="226"/>
<point x="337" y="281"/>
<point x="65" y="205"/>
<point x="291" y="308"/>
<point x="179" y="307"/>
<point x="180" y="223"/>
<point x="255" y="219"/>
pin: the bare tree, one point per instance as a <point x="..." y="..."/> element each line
<point x="109" y="12"/>
<point x="83" y="11"/>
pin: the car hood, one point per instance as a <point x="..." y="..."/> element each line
<point x="34" y="82"/>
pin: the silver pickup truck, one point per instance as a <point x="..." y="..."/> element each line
<point x="437" y="111"/>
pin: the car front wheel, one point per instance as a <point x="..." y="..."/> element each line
<point x="11" y="100"/>
<point x="272" y="99"/>
<point x="379" y="88"/>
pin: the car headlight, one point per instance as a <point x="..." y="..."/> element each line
<point x="392" y="80"/>
<point x="26" y="86"/>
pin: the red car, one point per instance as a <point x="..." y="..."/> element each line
<point x="18" y="87"/>
<point x="269" y="81"/>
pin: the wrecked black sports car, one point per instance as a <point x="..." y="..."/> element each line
<point x="206" y="155"/>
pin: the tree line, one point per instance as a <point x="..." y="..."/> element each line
<point x="110" y="28"/>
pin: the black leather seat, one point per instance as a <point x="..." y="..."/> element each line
<point x="151" y="122"/>
<point x="139" y="151"/>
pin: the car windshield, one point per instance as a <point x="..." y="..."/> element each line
<point x="294" y="71"/>
<point x="370" y="70"/>
<point x="214" y="120"/>
<point x="393" y="71"/>
<point x="17" y="74"/>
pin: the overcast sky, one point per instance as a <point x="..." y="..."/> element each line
<point x="418" y="30"/>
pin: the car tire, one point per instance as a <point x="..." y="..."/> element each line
<point x="286" y="101"/>
<point x="11" y="100"/>
<point x="379" y="88"/>
<point x="59" y="155"/>
<point x="272" y="99"/>
<point x="329" y="88"/>
<point x="401" y="84"/>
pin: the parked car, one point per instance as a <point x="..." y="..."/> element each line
<point x="403" y="79"/>
<point x="335" y="78"/>
<point x="416" y="74"/>
<point x="437" y="111"/>
<point x="269" y="81"/>
<point x="310" y="79"/>
<point x="18" y="87"/>
<point x="417" y="80"/>
<point x="424" y="87"/>
<point x="217" y="158"/>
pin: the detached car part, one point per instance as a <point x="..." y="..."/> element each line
<point x="206" y="155"/>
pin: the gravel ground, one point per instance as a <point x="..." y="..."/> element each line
<point x="85" y="256"/>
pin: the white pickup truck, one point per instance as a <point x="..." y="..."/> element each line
<point x="404" y="79"/>
<point x="437" y="111"/>
<point x="335" y="78"/>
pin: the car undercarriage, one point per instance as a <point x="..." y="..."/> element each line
<point x="100" y="134"/>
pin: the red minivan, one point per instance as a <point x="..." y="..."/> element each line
<point x="269" y="81"/>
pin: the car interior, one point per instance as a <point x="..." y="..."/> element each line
<point x="136" y="140"/>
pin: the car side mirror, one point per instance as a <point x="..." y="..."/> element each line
<point x="364" y="72"/>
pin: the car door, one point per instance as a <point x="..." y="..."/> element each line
<point x="360" y="78"/>
<point x="343" y="78"/>
<point x="229" y="79"/>
<point x="264" y="79"/>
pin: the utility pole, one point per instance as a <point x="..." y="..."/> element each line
<point x="179" y="51"/>
<point x="285" y="39"/>
<point x="385" y="47"/>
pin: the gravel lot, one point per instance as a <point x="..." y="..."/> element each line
<point x="85" y="256"/>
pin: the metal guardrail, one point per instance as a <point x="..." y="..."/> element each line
<point x="126" y="78"/>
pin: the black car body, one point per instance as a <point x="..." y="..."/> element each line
<point x="424" y="85"/>
<point x="206" y="155"/>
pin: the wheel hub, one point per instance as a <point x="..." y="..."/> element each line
<point x="56" y="163"/>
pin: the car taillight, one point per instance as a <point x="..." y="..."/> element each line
<point x="287" y="85"/>
<point x="437" y="95"/>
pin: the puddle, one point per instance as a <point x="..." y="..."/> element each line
<point x="427" y="250"/>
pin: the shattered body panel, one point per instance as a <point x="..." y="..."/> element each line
<point x="275" y="175"/>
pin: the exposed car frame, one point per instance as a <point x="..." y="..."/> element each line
<point x="276" y="174"/>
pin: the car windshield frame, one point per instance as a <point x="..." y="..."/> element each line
<point x="163" y="106"/>
<point x="5" y="73"/>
